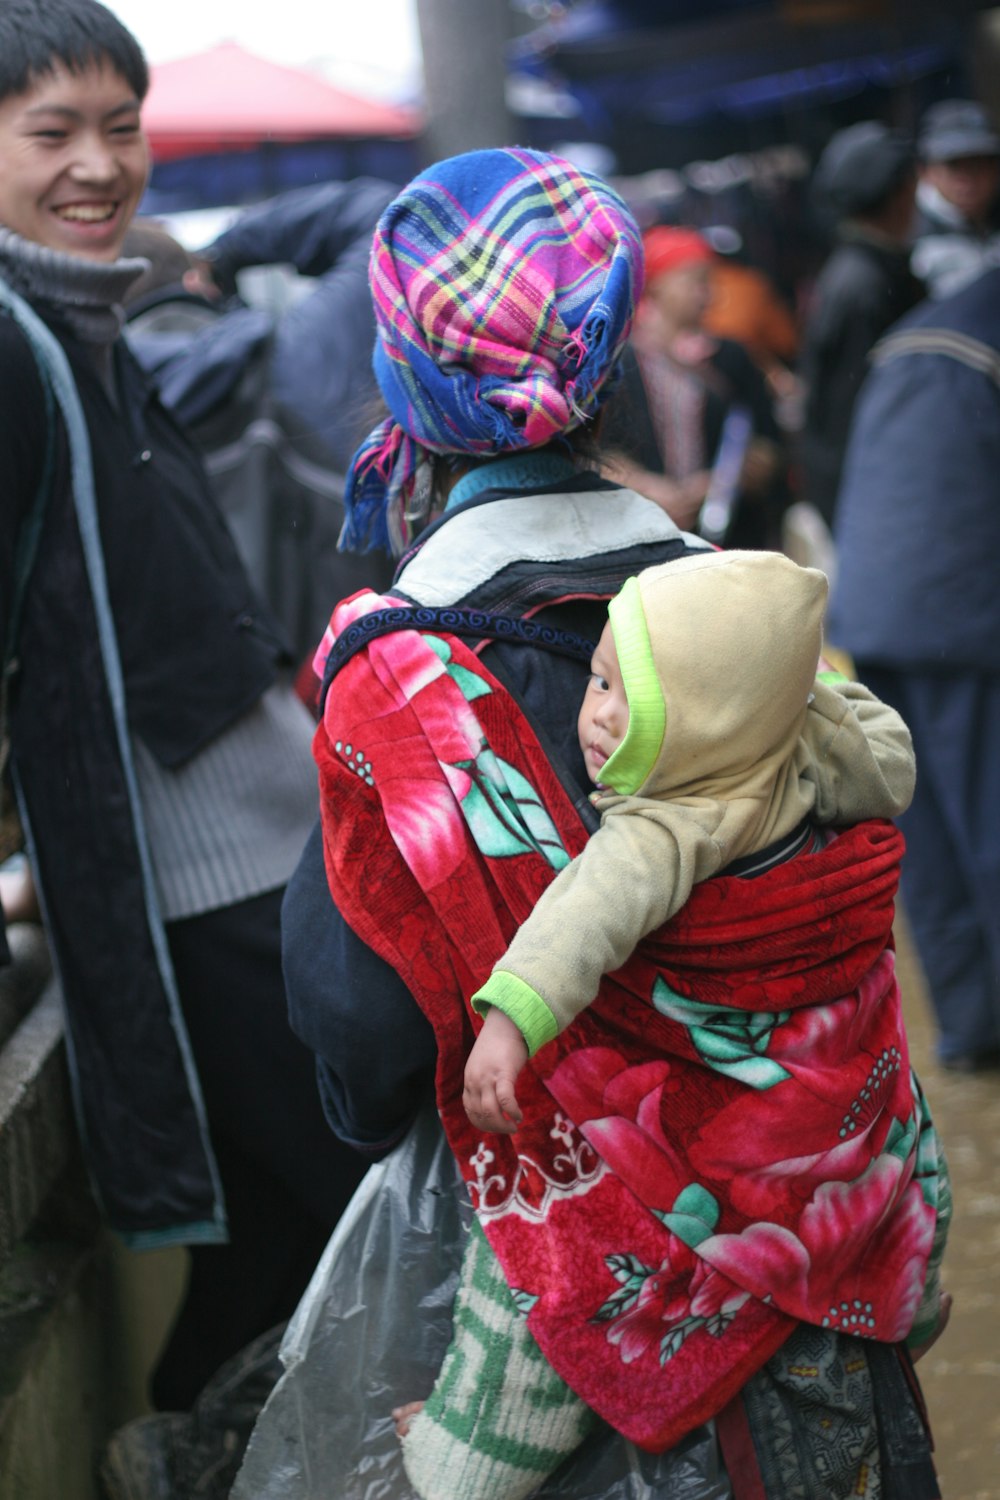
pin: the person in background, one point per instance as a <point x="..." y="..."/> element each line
<point x="320" y="342"/>
<point x="164" y="778"/>
<point x="747" y="307"/>
<point x="957" y="232"/>
<point x="865" y="179"/>
<point x="693" y="410"/>
<point x="276" y="402"/>
<point x="917" y="606"/>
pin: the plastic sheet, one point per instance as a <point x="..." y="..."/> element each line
<point x="371" y="1332"/>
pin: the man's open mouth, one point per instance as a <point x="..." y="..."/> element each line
<point x="87" y="213"/>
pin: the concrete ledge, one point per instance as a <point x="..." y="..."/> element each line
<point x="36" y="1126"/>
<point x="53" y="1377"/>
<point x="81" y="1320"/>
<point x="24" y="978"/>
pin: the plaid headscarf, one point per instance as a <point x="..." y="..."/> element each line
<point x="504" y="285"/>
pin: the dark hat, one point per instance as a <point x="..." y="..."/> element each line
<point x="861" y="166"/>
<point x="956" y="127"/>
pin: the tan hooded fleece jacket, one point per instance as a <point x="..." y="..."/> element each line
<point x="732" y="741"/>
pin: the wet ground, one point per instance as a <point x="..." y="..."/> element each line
<point x="961" y="1373"/>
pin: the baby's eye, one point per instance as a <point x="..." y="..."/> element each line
<point x="600" y="683"/>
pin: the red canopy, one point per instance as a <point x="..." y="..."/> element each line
<point x="227" y="98"/>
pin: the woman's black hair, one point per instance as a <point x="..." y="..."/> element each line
<point x="582" y="445"/>
<point x="37" y="35"/>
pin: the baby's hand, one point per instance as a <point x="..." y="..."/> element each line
<point x="499" y="1054"/>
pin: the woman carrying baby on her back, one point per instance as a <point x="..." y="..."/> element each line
<point x="722" y="1195"/>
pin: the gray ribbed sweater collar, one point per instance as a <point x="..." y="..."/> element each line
<point x="87" y="294"/>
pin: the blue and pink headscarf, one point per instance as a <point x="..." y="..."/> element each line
<point x="504" y="284"/>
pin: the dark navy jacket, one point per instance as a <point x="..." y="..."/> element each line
<point x="197" y="649"/>
<point x="861" y="291"/>
<point x="918" y="516"/>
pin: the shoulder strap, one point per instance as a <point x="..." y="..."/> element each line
<point x="462" y="622"/>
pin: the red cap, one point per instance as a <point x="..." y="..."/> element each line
<point x="668" y="249"/>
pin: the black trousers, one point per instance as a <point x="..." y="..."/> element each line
<point x="285" y="1176"/>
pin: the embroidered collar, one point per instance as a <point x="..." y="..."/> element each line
<point x="517" y="471"/>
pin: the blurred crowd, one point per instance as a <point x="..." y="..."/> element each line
<point x="806" y="283"/>
<point x="754" y="337"/>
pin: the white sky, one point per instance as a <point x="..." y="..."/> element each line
<point x="372" y="45"/>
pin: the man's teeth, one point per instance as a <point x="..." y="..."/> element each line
<point x="88" y="213"/>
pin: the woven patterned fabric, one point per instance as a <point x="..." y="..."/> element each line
<point x="814" y="1410"/>
<point x="504" y="284"/>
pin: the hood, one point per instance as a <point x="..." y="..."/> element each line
<point x="718" y="653"/>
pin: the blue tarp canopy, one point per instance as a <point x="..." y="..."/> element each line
<point x="682" y="69"/>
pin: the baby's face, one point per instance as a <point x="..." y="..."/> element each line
<point x="603" y="716"/>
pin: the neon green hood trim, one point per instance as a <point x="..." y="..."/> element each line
<point x="718" y="654"/>
<point x="631" y="763"/>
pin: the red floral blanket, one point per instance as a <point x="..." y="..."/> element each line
<point x="729" y="1140"/>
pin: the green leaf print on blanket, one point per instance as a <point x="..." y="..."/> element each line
<point x="733" y="1042"/>
<point x="471" y="685"/>
<point x="694" y="1216"/>
<point x="651" y="1313"/>
<point x="502" y="809"/>
<point x="505" y="813"/>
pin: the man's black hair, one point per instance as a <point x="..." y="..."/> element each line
<point x="38" y="35"/>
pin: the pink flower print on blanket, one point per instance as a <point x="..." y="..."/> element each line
<point x="353" y="608"/>
<point x="818" y="1275"/>
<point x="443" y="781"/>
<point x="655" y="1309"/>
<point x="810" y="1166"/>
<point x="856" y="1261"/>
<point x="419" y="790"/>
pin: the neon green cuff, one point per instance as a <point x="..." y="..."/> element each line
<point x="831" y="677"/>
<point x="524" y="1005"/>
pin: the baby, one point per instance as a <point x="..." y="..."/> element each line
<point x="710" y="738"/>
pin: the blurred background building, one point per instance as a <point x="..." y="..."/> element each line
<point x="707" y="112"/>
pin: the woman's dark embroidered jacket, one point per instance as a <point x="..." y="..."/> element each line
<point x="375" y="1049"/>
